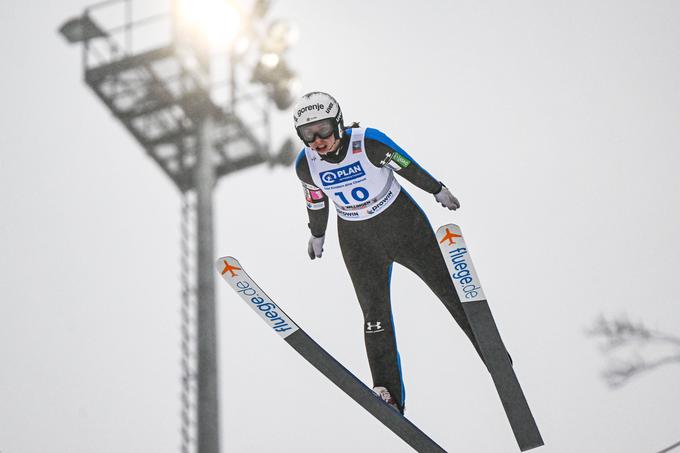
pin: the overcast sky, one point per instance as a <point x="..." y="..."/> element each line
<point x="555" y="124"/>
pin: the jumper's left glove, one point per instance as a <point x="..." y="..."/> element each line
<point x="315" y="246"/>
<point x="446" y="199"/>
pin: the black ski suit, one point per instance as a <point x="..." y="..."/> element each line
<point x="402" y="234"/>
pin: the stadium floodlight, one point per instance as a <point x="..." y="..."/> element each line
<point x="213" y="23"/>
<point x="270" y="60"/>
<point x="261" y="8"/>
<point x="272" y="70"/>
<point x="80" y="29"/>
<point x="281" y="34"/>
<point x="169" y="96"/>
<point x="285" y="91"/>
<point x="240" y="46"/>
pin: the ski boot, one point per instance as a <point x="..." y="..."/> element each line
<point x="387" y="397"/>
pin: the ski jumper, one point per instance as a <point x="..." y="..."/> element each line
<point x="378" y="224"/>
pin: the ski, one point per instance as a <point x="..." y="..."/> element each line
<point x="232" y="272"/>
<point x="465" y="279"/>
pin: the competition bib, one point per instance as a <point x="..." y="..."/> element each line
<point x="359" y="190"/>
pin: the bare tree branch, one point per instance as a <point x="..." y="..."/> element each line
<point x="623" y="336"/>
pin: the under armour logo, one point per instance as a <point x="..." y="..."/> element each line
<point x="374" y="327"/>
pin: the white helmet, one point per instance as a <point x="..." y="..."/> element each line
<point x="317" y="106"/>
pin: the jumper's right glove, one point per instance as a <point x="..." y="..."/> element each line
<point x="315" y="246"/>
<point x="446" y="198"/>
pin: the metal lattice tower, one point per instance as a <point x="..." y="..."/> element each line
<point x="162" y="104"/>
<point x="165" y="98"/>
<point x="189" y="325"/>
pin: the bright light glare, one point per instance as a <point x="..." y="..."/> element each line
<point x="241" y="45"/>
<point x="215" y="21"/>
<point x="270" y="60"/>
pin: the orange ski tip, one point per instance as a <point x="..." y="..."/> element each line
<point x="226" y="267"/>
<point x="226" y="257"/>
<point x="450" y="236"/>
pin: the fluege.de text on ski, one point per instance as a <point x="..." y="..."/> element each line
<point x="463" y="277"/>
<point x="278" y="321"/>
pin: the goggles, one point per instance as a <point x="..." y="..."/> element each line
<point x="322" y="129"/>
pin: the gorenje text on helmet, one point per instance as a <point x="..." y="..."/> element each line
<point x="311" y="107"/>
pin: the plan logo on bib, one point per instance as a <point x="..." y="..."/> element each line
<point x="342" y="174"/>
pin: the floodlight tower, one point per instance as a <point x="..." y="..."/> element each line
<point x="197" y="128"/>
